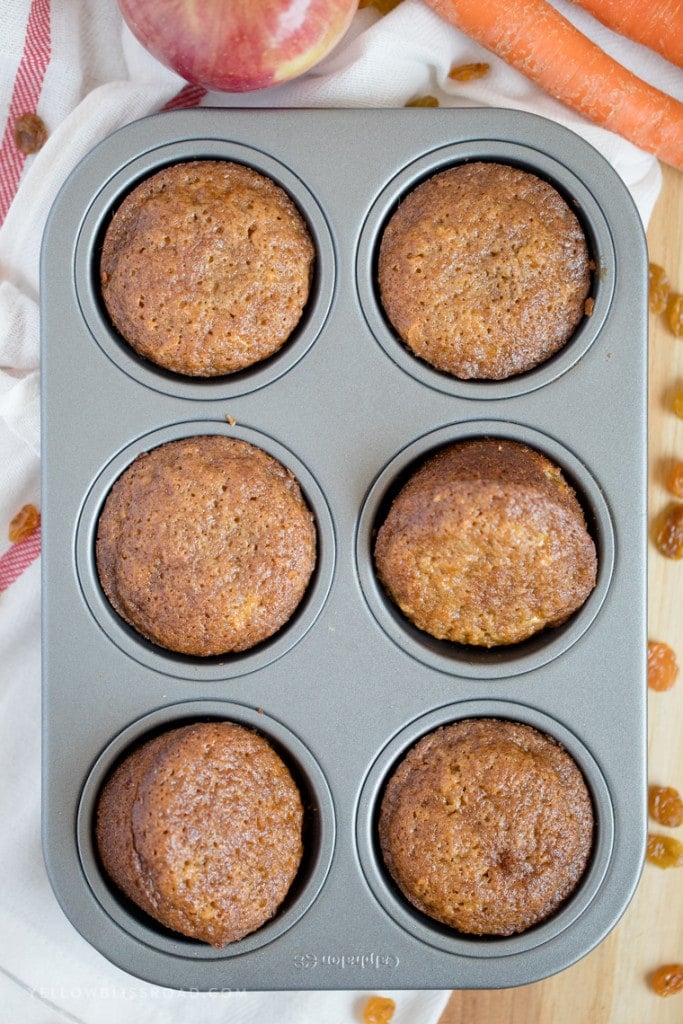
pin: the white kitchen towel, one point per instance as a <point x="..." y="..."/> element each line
<point x="75" y="63"/>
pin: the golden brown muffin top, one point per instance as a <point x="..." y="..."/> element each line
<point x="205" y="545"/>
<point x="206" y="267"/>
<point x="486" y="826"/>
<point x="484" y="271"/>
<point x="486" y="544"/>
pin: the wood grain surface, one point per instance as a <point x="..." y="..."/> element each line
<point x="611" y="984"/>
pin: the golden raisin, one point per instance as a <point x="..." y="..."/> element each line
<point x="423" y="101"/>
<point x="674" y="480"/>
<point x="666" y="806"/>
<point x="667" y="980"/>
<point x="662" y="665"/>
<point x="658" y="288"/>
<point x="674" y="314"/>
<point x="30" y="133"/>
<point x="24" y="523"/>
<point x="677" y="404"/>
<point x="664" y="851"/>
<point x="378" y="1010"/>
<point x="669" y="531"/>
<point x="468" y="72"/>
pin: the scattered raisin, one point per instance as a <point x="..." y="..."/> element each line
<point x="423" y="101"/>
<point x="30" y="133"/>
<point x="659" y="288"/>
<point x="669" y="531"/>
<point x="24" y="523"/>
<point x="677" y="404"/>
<point x="674" y="314"/>
<point x="468" y="72"/>
<point x="666" y="806"/>
<point x="664" y="851"/>
<point x="378" y="1010"/>
<point x="674" y="480"/>
<point x="667" y="980"/>
<point x="662" y="665"/>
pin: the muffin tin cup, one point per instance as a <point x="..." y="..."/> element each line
<point x="318" y="829"/>
<point x="87" y="277"/>
<point x="430" y="931"/>
<point x="581" y="201"/>
<point x="347" y="685"/>
<point x="472" y="662"/>
<point x="219" y="667"/>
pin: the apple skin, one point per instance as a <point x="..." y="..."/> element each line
<point x="238" y="45"/>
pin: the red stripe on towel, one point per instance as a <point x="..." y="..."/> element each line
<point x="28" y="84"/>
<point x="189" y="96"/>
<point x="18" y="558"/>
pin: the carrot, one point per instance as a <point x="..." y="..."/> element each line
<point x="534" y="38"/>
<point x="657" y="24"/>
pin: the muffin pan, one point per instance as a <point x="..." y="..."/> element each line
<point x="348" y="685"/>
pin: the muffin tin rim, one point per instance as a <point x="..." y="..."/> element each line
<point x="398" y="908"/>
<point x="461" y="660"/>
<point x="170" y="663"/>
<point x="86" y="269"/>
<point x="290" y="747"/>
<point x="589" y="213"/>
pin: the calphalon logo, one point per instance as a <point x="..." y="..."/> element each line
<point x="366" y="961"/>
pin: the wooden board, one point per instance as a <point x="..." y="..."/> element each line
<point x="610" y="985"/>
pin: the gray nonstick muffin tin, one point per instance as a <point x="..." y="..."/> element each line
<point x="347" y="686"/>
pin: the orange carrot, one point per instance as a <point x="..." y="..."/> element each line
<point x="534" y="38"/>
<point x="657" y="24"/>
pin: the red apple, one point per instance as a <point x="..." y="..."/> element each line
<point x="238" y="45"/>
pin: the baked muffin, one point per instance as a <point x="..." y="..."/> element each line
<point x="201" y="827"/>
<point x="206" y="267"/>
<point x="205" y="545"/>
<point x="486" y="826"/>
<point x="484" y="271"/>
<point x="486" y="544"/>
